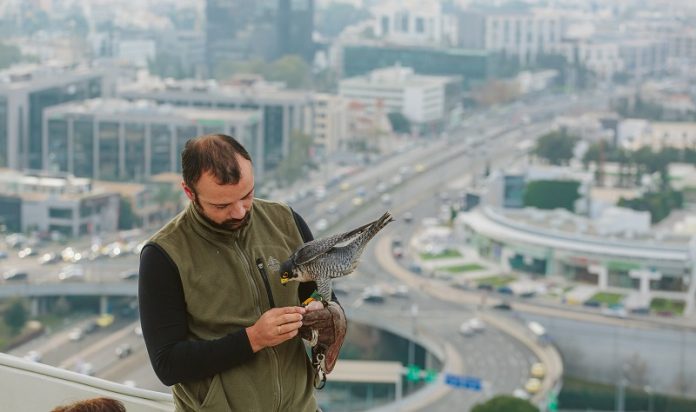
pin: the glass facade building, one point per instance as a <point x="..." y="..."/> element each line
<point x="472" y="66"/>
<point x="25" y="95"/>
<point x="115" y="140"/>
<point x="283" y="111"/>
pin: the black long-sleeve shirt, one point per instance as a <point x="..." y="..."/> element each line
<point x="164" y="321"/>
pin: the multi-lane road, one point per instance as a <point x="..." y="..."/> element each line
<point x="412" y="179"/>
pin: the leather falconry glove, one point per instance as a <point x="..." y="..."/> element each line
<point x="330" y="323"/>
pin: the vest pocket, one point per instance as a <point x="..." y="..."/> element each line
<point x="215" y="399"/>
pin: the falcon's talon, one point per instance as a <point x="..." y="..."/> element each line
<point x="315" y="338"/>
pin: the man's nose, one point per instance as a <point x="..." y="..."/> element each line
<point x="238" y="211"/>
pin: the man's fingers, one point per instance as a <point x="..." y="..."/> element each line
<point x="289" y="318"/>
<point x="285" y="328"/>
<point x="292" y="309"/>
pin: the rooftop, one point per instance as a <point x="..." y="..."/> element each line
<point x="147" y="109"/>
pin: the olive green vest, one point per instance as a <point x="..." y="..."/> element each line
<point x="225" y="292"/>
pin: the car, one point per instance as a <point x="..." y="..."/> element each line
<point x="3" y="254"/>
<point x="592" y="304"/>
<point x="398" y="252"/>
<point x="408" y="217"/>
<point x="520" y="393"/>
<point x="90" y="327"/>
<point x="640" y="311"/>
<point x="400" y="291"/>
<point x="85" y="368"/>
<point x="533" y="385"/>
<point x="26" y="252"/>
<point x="33" y="356"/>
<point x="466" y="330"/>
<point x="49" y="258"/>
<point x="505" y="290"/>
<point x="15" y="276"/>
<point x="538" y="370"/>
<point x="71" y="273"/>
<point x="477" y="325"/>
<point x="386" y="199"/>
<point x="485" y="286"/>
<point x="503" y="306"/>
<point x="615" y="312"/>
<point x="76" y="334"/>
<point x="123" y="350"/>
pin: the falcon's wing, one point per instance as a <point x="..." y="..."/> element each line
<point x="317" y="247"/>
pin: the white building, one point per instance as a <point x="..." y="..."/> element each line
<point x="558" y="243"/>
<point x="422" y="99"/>
<point x="637" y="133"/>
<point x="56" y="203"/>
<point x="329" y="119"/>
<point x="524" y="34"/>
<point x="603" y="57"/>
<point x="414" y="22"/>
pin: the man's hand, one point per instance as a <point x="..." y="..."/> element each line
<point x="330" y="322"/>
<point x="275" y="327"/>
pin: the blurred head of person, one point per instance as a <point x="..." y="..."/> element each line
<point x="218" y="178"/>
<point x="93" y="405"/>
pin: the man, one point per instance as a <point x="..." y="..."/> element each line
<point x="215" y="326"/>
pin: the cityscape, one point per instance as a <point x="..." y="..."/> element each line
<point x="538" y="158"/>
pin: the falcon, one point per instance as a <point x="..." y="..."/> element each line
<point x="321" y="260"/>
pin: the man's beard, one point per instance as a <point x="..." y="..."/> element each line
<point x="229" y="224"/>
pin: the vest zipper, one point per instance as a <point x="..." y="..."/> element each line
<point x="274" y="353"/>
<point x="264" y="276"/>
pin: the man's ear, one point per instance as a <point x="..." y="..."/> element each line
<point x="189" y="192"/>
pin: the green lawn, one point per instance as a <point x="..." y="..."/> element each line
<point x="667" y="305"/>
<point x="498" y="280"/>
<point x="462" y="268"/>
<point x="449" y="253"/>
<point x="607" y="298"/>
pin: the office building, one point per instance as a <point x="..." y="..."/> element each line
<point x="422" y="99"/>
<point x="283" y="111"/>
<point x="25" y="92"/>
<point x="55" y="203"/>
<point x="116" y="139"/>
<point x="294" y="28"/>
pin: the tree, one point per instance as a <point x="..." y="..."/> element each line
<point x="291" y="69"/>
<point x="16" y="316"/>
<point x="552" y="194"/>
<point x="505" y="403"/>
<point x="166" y="64"/>
<point x="9" y="55"/>
<point x="127" y="219"/>
<point x="293" y="166"/>
<point x="556" y="147"/>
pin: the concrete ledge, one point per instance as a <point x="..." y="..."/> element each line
<point x="29" y="386"/>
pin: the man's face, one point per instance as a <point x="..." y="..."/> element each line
<point x="225" y="206"/>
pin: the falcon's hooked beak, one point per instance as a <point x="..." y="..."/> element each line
<point x="286" y="272"/>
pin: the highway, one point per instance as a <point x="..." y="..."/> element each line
<point x="422" y="173"/>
